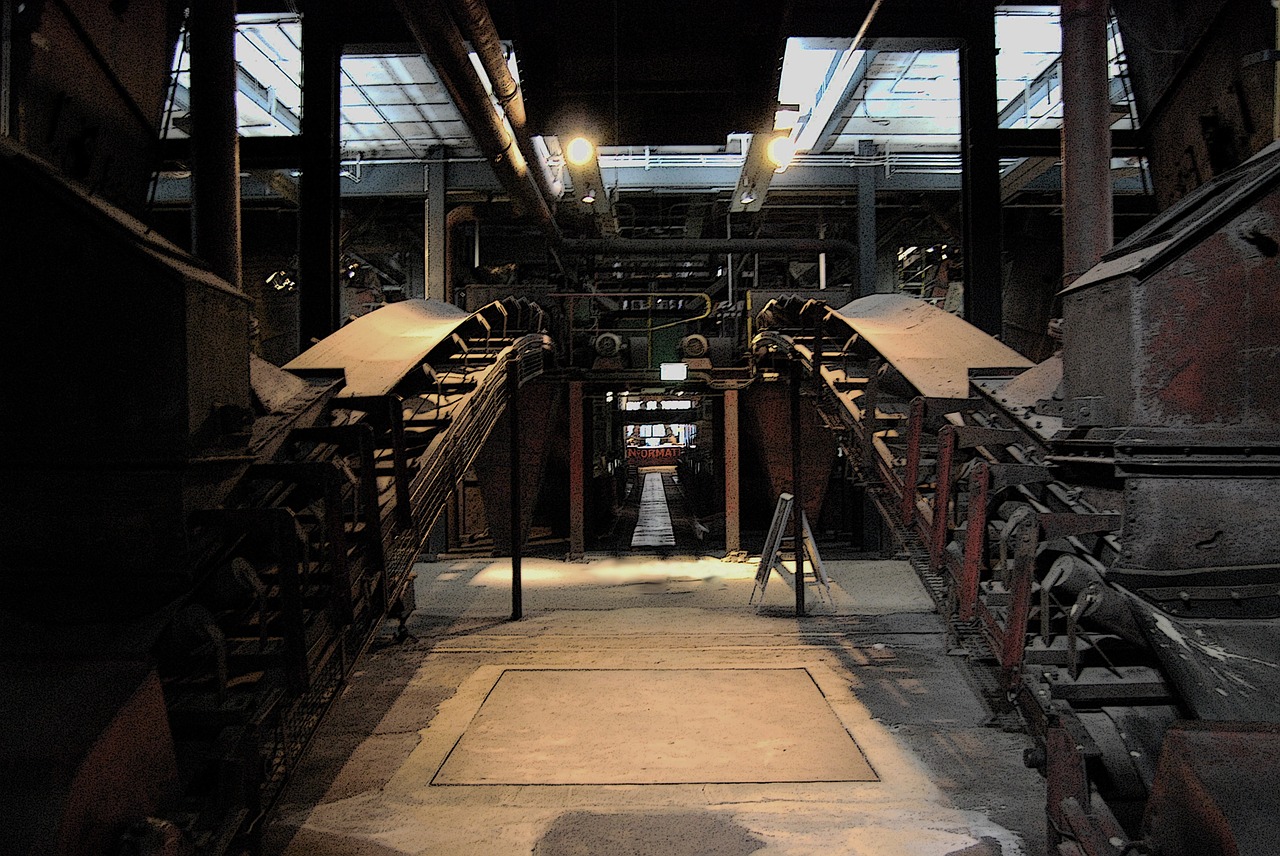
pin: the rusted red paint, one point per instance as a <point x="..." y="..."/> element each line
<point x="1210" y="323"/>
<point x="766" y="423"/>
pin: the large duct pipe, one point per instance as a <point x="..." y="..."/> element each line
<point x="474" y="21"/>
<point x="1087" y="231"/>
<point x="697" y="246"/>
<point x="439" y="37"/>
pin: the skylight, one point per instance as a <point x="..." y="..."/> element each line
<point x="910" y="100"/>
<point x="393" y="106"/>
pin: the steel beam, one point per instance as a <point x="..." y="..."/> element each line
<point x="577" y="473"/>
<point x="319" y="212"/>
<point x="732" y="509"/>
<point x="215" y="146"/>
<point x="1087" y="220"/>
<point x="983" y="279"/>
<point x="866" y="228"/>
<point x="435" y="239"/>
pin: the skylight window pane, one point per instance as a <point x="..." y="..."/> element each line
<point x="368" y="71"/>
<point x="272" y="58"/>
<point x="1029" y="41"/>
<point x="357" y="115"/>
<point x="414" y="69"/>
<point x="402" y="113"/>
<point x="254" y="121"/>
<point x="350" y="96"/>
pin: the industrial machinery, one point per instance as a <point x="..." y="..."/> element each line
<point x="1097" y="528"/>
<point x="200" y="544"/>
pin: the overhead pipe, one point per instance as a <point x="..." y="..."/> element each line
<point x="441" y="40"/>
<point x="700" y="246"/>
<point x="473" y="19"/>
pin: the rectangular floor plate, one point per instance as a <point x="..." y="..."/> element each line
<point x="654" y="726"/>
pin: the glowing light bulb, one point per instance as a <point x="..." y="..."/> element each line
<point x="780" y="151"/>
<point x="579" y="151"/>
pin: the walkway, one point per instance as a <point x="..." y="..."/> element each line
<point x="653" y="524"/>
<point x="643" y="707"/>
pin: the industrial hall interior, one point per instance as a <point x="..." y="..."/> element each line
<point x="670" y="428"/>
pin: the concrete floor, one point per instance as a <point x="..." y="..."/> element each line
<point x="643" y="706"/>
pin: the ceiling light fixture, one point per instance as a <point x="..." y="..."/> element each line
<point x="780" y="151"/>
<point x="589" y="196"/>
<point x="748" y="196"/>
<point x="579" y="151"/>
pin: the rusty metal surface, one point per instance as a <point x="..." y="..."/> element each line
<point x="933" y="349"/>
<point x="765" y="426"/>
<point x="1187" y="521"/>
<point x="1215" y="791"/>
<point x="1180" y="325"/>
<point x="377" y="350"/>
<point x="71" y="784"/>
<point x="1222" y="669"/>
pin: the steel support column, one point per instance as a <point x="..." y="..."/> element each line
<point x="319" y="211"/>
<point x="797" y="507"/>
<point x="435" y="238"/>
<point x="517" y="511"/>
<point x="732" y="509"/>
<point x="1087" y="222"/>
<point x="577" y="473"/>
<point x="215" y="140"/>
<point x="866" y="225"/>
<point x="983" y="285"/>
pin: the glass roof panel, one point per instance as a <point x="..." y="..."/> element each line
<point x="393" y="105"/>
<point x="910" y="100"/>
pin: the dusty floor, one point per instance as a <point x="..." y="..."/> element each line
<point x="643" y="706"/>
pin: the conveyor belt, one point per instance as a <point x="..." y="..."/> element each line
<point x="653" y="526"/>
<point x="378" y="350"/>
<point x="326" y="527"/>
<point x="932" y="349"/>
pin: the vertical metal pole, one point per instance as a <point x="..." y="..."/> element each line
<point x="1087" y="224"/>
<point x="732" y="515"/>
<point x="454" y="514"/>
<point x="319" y="211"/>
<point x="577" y="474"/>
<point x="822" y="257"/>
<point x="517" y="512"/>
<point x="911" y="469"/>
<point x="6" y="65"/>
<point x="866" y="224"/>
<point x="1013" y="646"/>
<point x="1275" y="70"/>
<point x="399" y="461"/>
<point x="983" y="286"/>
<point x="940" y="529"/>
<point x="728" y="233"/>
<point x="215" y="140"/>
<point x="435" y="240"/>
<point x="797" y="507"/>
<point x="975" y="541"/>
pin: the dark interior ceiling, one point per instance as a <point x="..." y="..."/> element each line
<point x="673" y="73"/>
<point x="660" y="72"/>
